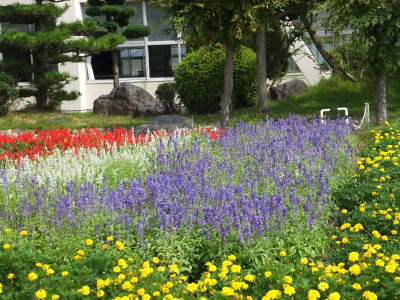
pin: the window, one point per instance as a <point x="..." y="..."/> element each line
<point x="131" y="64"/>
<point x="156" y="56"/>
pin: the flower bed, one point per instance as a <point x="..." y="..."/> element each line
<point x="169" y="234"/>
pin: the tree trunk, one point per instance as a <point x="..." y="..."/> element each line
<point x="381" y="98"/>
<point x="115" y="68"/>
<point x="228" y="85"/>
<point x="261" y="72"/>
<point x="41" y="98"/>
<point x="336" y="68"/>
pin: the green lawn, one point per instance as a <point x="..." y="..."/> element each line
<point x="328" y="94"/>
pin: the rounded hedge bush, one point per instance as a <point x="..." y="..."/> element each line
<point x="199" y="79"/>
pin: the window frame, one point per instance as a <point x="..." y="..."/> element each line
<point x="135" y="43"/>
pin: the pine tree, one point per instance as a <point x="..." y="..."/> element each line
<point x="116" y="15"/>
<point x="49" y="45"/>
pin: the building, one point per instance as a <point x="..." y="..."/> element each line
<point x="145" y="62"/>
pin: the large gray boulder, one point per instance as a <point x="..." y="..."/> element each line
<point x="128" y="99"/>
<point x="165" y="122"/>
<point x="293" y="87"/>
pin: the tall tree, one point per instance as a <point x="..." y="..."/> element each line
<point x="377" y="24"/>
<point x="49" y="44"/>
<point x="116" y="15"/>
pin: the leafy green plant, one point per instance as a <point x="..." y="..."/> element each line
<point x="199" y="79"/>
<point x="8" y="92"/>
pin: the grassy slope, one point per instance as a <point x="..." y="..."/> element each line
<point x="328" y="94"/>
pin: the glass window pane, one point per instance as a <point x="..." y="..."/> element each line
<point x="137" y="19"/>
<point x="18" y="27"/>
<point x="132" y="64"/>
<point x="292" y="66"/>
<point x="160" y="31"/>
<point x="163" y="60"/>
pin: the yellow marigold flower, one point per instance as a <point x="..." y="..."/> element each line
<point x="394" y="232"/>
<point x="11" y="276"/>
<point x="110" y="238"/>
<point x="80" y="252"/>
<point x="84" y="290"/>
<point x="55" y="297"/>
<point x="289" y="290"/>
<point x="353" y="256"/>
<point x="134" y="279"/>
<point x="231" y="257"/>
<point x="323" y="286"/>
<point x="397" y="279"/>
<point x="362" y="209"/>
<point x="355" y="269"/>
<point x="120" y="245"/>
<point x="356" y="286"/>
<point x="272" y="294"/>
<point x="173" y="268"/>
<point x="39" y="264"/>
<point x="32" y="276"/>
<point x="250" y="277"/>
<point x="6" y="246"/>
<point x="127" y="286"/>
<point x="49" y="272"/>
<point x="7" y="230"/>
<point x="88" y="242"/>
<point x="192" y="287"/>
<point x="268" y="274"/>
<point x="122" y="263"/>
<point x="105" y="246"/>
<point x="344" y="211"/>
<point x="117" y="269"/>
<point x="345" y="240"/>
<point x="391" y="267"/>
<point x="46" y="267"/>
<point x="100" y="293"/>
<point x="303" y="261"/>
<point x="226" y="263"/>
<point x="160" y="269"/>
<point x="282" y="253"/>
<point x="146" y="297"/>
<point x="156" y="293"/>
<point x="227" y="291"/>
<point x="333" y="296"/>
<point x="212" y="268"/>
<point x="155" y="260"/>
<point x="236" y="269"/>
<point x="23" y="233"/>
<point x="313" y="295"/>
<point x="287" y="279"/>
<point x="41" y="294"/>
<point x="379" y="263"/>
<point x="141" y="291"/>
<point x="64" y="273"/>
<point x="370" y="295"/>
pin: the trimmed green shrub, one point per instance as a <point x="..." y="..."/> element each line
<point x="8" y="92"/>
<point x="199" y="79"/>
<point x="166" y="93"/>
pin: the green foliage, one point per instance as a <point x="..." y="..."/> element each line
<point x="49" y="45"/>
<point x="166" y="93"/>
<point x="133" y="32"/>
<point x="199" y="79"/>
<point x="8" y="92"/>
<point x="353" y="58"/>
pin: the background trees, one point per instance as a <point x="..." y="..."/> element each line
<point x="46" y="45"/>
<point x="113" y="17"/>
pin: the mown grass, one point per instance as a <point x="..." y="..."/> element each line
<point x="329" y="93"/>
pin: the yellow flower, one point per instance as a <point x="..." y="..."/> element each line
<point x="334" y="296"/>
<point x="282" y="253"/>
<point x="287" y="279"/>
<point x="160" y="269"/>
<point x="250" y="278"/>
<point x="64" y="273"/>
<point x="41" y="294"/>
<point x="141" y="292"/>
<point x="353" y="256"/>
<point x="88" y="242"/>
<point x="146" y="297"/>
<point x="120" y="246"/>
<point x="117" y="269"/>
<point x="100" y="293"/>
<point x="155" y="260"/>
<point x="323" y="286"/>
<point x="313" y="295"/>
<point x="304" y="261"/>
<point x="32" y="276"/>
<point x="370" y="295"/>
<point x="356" y="286"/>
<point x="344" y="211"/>
<point x="268" y="274"/>
<point x="173" y="268"/>
<point x="391" y="267"/>
<point x="55" y="297"/>
<point x="355" y="269"/>
<point x="289" y="290"/>
<point x="231" y="257"/>
<point x="192" y="287"/>
<point x="127" y="286"/>
<point x="23" y="233"/>
<point x="80" y="252"/>
<point x="227" y="291"/>
<point x="236" y="269"/>
<point x="84" y="290"/>
<point x="11" y="276"/>
<point x="7" y="230"/>
<point x="272" y="294"/>
<point x="6" y="246"/>
<point x="49" y="272"/>
<point x="110" y="238"/>
<point x="226" y="263"/>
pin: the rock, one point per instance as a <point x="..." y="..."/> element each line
<point x="165" y="122"/>
<point x="128" y="99"/>
<point x="58" y="119"/>
<point x="293" y="87"/>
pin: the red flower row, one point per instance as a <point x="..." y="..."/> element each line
<point x="44" y="142"/>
